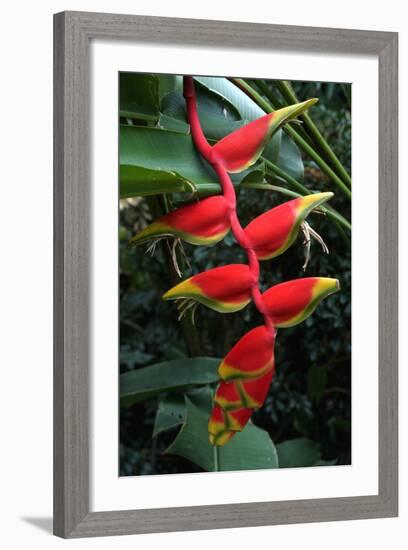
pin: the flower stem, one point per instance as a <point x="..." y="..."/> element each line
<point x="331" y="212"/>
<point x="302" y="143"/>
<point x="228" y="190"/>
<point x="216" y="456"/>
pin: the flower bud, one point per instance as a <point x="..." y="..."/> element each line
<point x="234" y="403"/>
<point x="225" y="289"/>
<point x="242" y="148"/>
<point x="205" y="222"/>
<point x="273" y="232"/>
<point x="251" y="357"/>
<point x="290" y="303"/>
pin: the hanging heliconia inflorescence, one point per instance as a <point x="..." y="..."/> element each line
<point x="247" y="370"/>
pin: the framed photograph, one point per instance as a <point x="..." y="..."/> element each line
<point x="225" y="298"/>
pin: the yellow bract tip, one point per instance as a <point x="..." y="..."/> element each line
<point x="315" y="199"/>
<point x="325" y="286"/>
<point x="185" y="289"/>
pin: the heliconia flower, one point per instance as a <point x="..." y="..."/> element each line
<point x="253" y="392"/>
<point x="223" y="425"/>
<point x="237" y="394"/>
<point x="237" y="419"/>
<point x="246" y="374"/>
<point x="251" y="357"/>
<point x="218" y="431"/>
<point x="242" y="148"/>
<point x="290" y="303"/>
<point x="201" y="223"/>
<point x="275" y="231"/>
<point x="225" y="289"/>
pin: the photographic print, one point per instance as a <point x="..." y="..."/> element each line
<point x="235" y="274"/>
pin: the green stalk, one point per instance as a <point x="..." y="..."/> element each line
<point x="330" y="211"/>
<point x="271" y="187"/>
<point x="259" y="100"/>
<point x="216" y="458"/>
<point x="290" y="96"/>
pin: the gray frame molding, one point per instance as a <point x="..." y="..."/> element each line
<point x="72" y="33"/>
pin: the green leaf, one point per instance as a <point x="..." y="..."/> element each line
<point x="316" y="382"/>
<point x="247" y="108"/>
<point x="170" y="157"/>
<point x="209" y="103"/>
<point x="141" y="181"/>
<point x="289" y="158"/>
<point x="170" y="413"/>
<point x="166" y="122"/>
<point x="156" y="161"/>
<point x="172" y="408"/>
<point x="147" y="382"/>
<point x="140" y="94"/>
<point x="252" y="449"/>
<point x="298" y="453"/>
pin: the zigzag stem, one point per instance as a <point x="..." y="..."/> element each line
<point x="207" y="152"/>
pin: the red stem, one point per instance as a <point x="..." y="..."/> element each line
<point x="206" y="151"/>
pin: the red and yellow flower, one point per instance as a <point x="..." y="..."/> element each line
<point x="247" y="370"/>
<point x="291" y="302"/>
<point x="201" y="223"/>
<point x="240" y="149"/>
<point x="252" y="356"/>
<point x="225" y="289"/>
<point x="246" y="374"/>
<point x="273" y="232"/>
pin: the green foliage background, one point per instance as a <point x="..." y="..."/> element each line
<point x="309" y="402"/>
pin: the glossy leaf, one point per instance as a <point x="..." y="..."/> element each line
<point x="145" y="182"/>
<point x="147" y="382"/>
<point x="171" y="159"/>
<point x="289" y="158"/>
<point x="171" y="411"/>
<point x="210" y="104"/>
<point x="251" y="449"/>
<point x="141" y="94"/>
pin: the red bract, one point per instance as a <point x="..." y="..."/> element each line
<point x="242" y="148"/>
<point x="246" y="374"/>
<point x="273" y="232"/>
<point x="225" y="289"/>
<point x="290" y="303"/>
<point x="205" y="222"/>
<point x="251" y="357"/>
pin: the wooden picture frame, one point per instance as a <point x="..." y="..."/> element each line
<point x="72" y="34"/>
